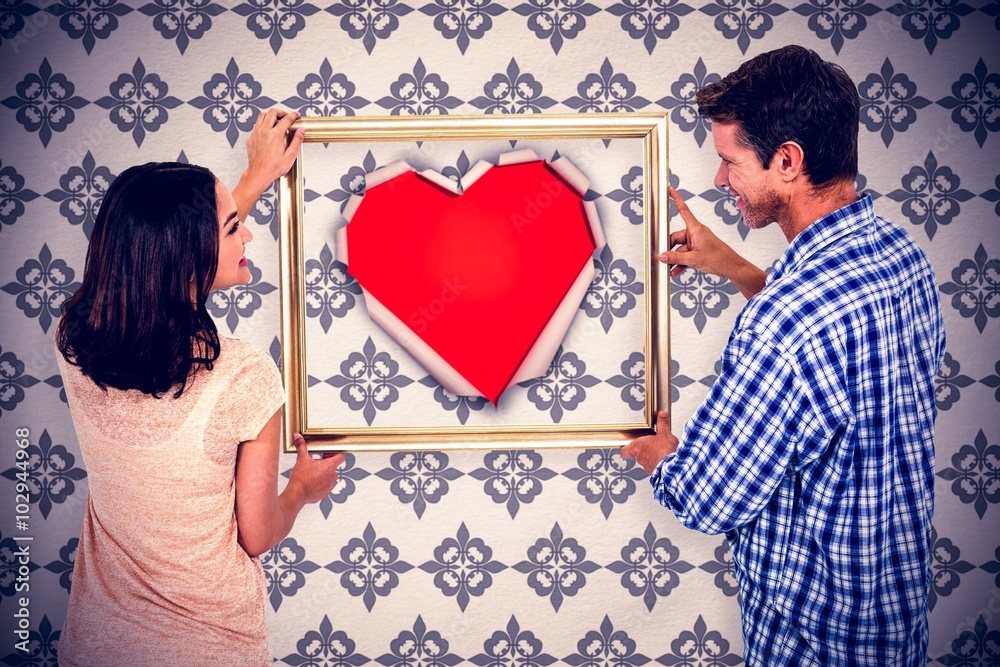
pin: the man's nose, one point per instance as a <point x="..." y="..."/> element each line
<point x="722" y="176"/>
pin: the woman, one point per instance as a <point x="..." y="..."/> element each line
<point x="178" y="426"/>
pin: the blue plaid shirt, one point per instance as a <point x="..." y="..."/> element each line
<point x="814" y="451"/>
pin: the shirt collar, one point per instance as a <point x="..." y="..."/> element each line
<point x="824" y="232"/>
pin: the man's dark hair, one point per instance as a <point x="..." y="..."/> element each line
<point x="138" y="320"/>
<point x="791" y="94"/>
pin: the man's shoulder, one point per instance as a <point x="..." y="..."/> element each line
<point x="878" y="261"/>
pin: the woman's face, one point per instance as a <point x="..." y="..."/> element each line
<point x="232" y="269"/>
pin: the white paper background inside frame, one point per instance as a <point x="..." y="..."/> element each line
<point x="602" y="337"/>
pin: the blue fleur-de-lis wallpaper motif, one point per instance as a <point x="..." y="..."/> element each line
<point x="557" y="567"/>
<point x="889" y="102"/>
<point x="50" y="473"/>
<point x="931" y="20"/>
<point x="138" y="102"/>
<point x="42" y="286"/>
<point x="650" y="21"/>
<point x="681" y="102"/>
<point x="512" y="91"/>
<point x="508" y="554"/>
<point x="605" y="646"/>
<point x="15" y="195"/>
<point x="232" y="101"/>
<point x="369" y="21"/>
<point x="81" y="191"/>
<point x="838" y="20"/>
<point x="418" y="94"/>
<point x="330" y="290"/>
<point x="947" y="568"/>
<point x="369" y="567"/>
<point x="556" y="20"/>
<point x="241" y="301"/>
<point x="182" y="20"/>
<point x="563" y="387"/>
<point x="650" y="567"/>
<point x="949" y="383"/>
<point x="462" y="406"/>
<point x="45" y="102"/>
<point x="324" y="93"/>
<point x="512" y="645"/>
<point x="275" y="20"/>
<point x="463" y="566"/>
<point x="606" y="90"/>
<point x="513" y="477"/>
<point x="745" y="20"/>
<point x="64" y="565"/>
<point x="369" y="381"/>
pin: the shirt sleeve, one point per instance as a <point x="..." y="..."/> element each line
<point x="254" y="395"/>
<point x="759" y="422"/>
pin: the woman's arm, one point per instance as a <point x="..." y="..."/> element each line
<point x="263" y="516"/>
<point x="270" y="154"/>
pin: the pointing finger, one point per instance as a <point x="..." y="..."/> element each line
<point x="683" y="209"/>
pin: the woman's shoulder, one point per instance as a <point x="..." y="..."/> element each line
<point x="237" y="356"/>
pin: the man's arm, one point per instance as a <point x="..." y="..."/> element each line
<point x="759" y="421"/>
<point x="270" y="154"/>
<point x="701" y="249"/>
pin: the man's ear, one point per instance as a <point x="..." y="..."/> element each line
<point x="789" y="161"/>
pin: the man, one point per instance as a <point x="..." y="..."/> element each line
<point x="814" y="450"/>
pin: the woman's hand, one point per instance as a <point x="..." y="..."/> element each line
<point x="313" y="478"/>
<point x="263" y="516"/>
<point x="270" y="154"/>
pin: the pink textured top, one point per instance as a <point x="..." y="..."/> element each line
<point x="159" y="577"/>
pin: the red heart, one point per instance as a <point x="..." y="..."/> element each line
<point x="477" y="276"/>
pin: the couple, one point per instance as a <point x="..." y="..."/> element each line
<point x="813" y="451"/>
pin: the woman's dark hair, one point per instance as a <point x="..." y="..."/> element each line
<point x="791" y="94"/>
<point x="139" y="320"/>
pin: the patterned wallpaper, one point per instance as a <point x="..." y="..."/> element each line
<point x="498" y="557"/>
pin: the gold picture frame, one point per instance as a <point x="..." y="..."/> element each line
<point x="650" y="128"/>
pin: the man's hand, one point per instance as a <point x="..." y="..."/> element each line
<point x="649" y="450"/>
<point x="701" y="249"/>
<point x="270" y="154"/>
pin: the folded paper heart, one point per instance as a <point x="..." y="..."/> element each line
<point x="480" y="286"/>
